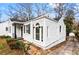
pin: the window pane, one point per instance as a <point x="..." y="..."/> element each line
<point x="60" y="28"/>
<point x="37" y="33"/>
<point x="28" y="29"/>
<point x="33" y="32"/>
<point x="6" y="28"/>
<point x="42" y="33"/>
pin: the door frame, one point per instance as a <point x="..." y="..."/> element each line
<point x="40" y="33"/>
<point x="37" y="34"/>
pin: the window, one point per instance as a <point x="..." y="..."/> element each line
<point x="6" y="28"/>
<point x="33" y="31"/>
<point x="37" y="24"/>
<point x="37" y="33"/>
<point x="42" y="33"/>
<point x="28" y="28"/>
<point x="60" y="28"/>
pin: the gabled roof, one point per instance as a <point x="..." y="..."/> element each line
<point x="38" y="17"/>
<point x="48" y="17"/>
<point x="18" y="20"/>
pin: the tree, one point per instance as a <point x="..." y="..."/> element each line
<point x="23" y="11"/>
<point x="27" y="10"/>
<point x="59" y="9"/>
<point x="68" y="12"/>
<point x="69" y="17"/>
<point x="40" y="8"/>
<point x="11" y="11"/>
<point x="77" y="30"/>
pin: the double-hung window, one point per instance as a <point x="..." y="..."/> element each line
<point x="28" y="28"/>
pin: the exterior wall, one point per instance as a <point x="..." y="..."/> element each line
<point x="18" y="30"/>
<point x="54" y="35"/>
<point x="51" y="33"/>
<point x="3" y="28"/>
<point x="10" y="31"/>
<point x="62" y="34"/>
<point x="29" y="37"/>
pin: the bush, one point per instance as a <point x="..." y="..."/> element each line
<point x="1" y="46"/>
<point x="77" y="35"/>
<point x="3" y="36"/>
<point x="20" y="44"/>
<point x="16" y="44"/>
<point x="9" y="40"/>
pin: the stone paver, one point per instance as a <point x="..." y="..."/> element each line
<point x="69" y="48"/>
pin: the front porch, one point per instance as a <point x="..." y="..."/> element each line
<point x="17" y="30"/>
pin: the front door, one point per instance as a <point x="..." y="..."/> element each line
<point x="21" y="32"/>
<point x="15" y="36"/>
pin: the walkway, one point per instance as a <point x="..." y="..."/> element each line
<point x="68" y="48"/>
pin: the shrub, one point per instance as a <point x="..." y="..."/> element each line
<point x="16" y="44"/>
<point x="1" y="46"/>
<point x="20" y="44"/>
<point x="3" y="36"/>
<point x="9" y="40"/>
<point x="77" y="35"/>
<point x="7" y="37"/>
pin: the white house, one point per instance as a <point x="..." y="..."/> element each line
<point x="43" y="31"/>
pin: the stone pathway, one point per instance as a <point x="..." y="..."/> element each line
<point x="69" y="48"/>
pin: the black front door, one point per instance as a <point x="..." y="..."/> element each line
<point x="21" y="31"/>
<point x="15" y="36"/>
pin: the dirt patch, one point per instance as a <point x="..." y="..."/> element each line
<point x="7" y="51"/>
<point x="35" y="50"/>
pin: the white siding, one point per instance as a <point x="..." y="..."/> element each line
<point x="54" y="35"/>
<point x="3" y="28"/>
<point x="29" y="37"/>
<point x="62" y="34"/>
<point x="51" y="33"/>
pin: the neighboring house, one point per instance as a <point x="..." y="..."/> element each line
<point x="43" y="31"/>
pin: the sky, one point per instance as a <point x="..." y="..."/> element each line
<point x="4" y="9"/>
